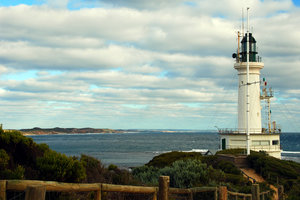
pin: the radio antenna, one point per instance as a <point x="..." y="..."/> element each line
<point x="243" y="27"/>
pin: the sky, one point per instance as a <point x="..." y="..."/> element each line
<point x="137" y="64"/>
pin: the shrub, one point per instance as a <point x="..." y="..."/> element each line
<point x="21" y="150"/>
<point x="232" y="151"/>
<point x="167" y="159"/>
<point x="183" y="174"/>
<point x="294" y="193"/>
<point x="4" y="158"/>
<point x="5" y="173"/>
<point x="95" y="170"/>
<point x="146" y="174"/>
<point x="266" y="165"/>
<point x="112" y="167"/>
<point x="58" y="167"/>
<point x="227" y="167"/>
<point x="235" y="179"/>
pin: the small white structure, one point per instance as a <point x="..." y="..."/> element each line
<point x="250" y="135"/>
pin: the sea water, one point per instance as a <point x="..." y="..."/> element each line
<point x="136" y="148"/>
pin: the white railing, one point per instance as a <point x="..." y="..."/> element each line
<point x="244" y="131"/>
<point x="256" y="148"/>
<point x="239" y="130"/>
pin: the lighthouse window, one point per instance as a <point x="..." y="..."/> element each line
<point x="253" y="47"/>
<point x="244" y="47"/>
<point x="275" y="142"/>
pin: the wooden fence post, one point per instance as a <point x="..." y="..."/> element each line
<point x="155" y="194"/>
<point x="223" y="193"/>
<point x="2" y="190"/>
<point x="191" y="195"/>
<point x="98" y="193"/>
<point x="255" y="192"/>
<point x="280" y="192"/>
<point x="35" y="192"/>
<point x="163" y="192"/>
<point x="216" y="194"/>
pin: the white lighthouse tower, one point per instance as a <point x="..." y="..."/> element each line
<point x="250" y="135"/>
<point x="253" y="86"/>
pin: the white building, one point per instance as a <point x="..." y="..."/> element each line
<point x="260" y="139"/>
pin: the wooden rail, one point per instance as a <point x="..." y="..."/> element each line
<point x="36" y="189"/>
<point x="262" y="195"/>
<point x="22" y="185"/>
<point x="256" y="194"/>
<point x="242" y="195"/>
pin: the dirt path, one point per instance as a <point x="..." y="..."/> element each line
<point x="251" y="173"/>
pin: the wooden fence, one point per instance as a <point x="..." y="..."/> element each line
<point x="36" y="190"/>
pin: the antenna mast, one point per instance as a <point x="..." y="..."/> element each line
<point x="243" y="27"/>
<point x="248" y="104"/>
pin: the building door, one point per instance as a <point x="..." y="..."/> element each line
<point x="223" y="143"/>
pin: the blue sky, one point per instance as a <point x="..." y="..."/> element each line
<point x="161" y="64"/>
<point x="16" y="2"/>
<point x="296" y="2"/>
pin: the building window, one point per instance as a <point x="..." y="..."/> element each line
<point x="260" y="142"/>
<point x="275" y="142"/>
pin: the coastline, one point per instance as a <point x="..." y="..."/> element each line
<point x="58" y="131"/>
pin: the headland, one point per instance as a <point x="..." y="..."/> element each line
<point x="57" y="130"/>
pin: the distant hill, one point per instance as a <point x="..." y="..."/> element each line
<point x="57" y="130"/>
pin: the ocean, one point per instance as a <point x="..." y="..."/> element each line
<point x="136" y="148"/>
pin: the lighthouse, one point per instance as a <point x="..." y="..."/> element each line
<point x="250" y="135"/>
<point x="253" y="85"/>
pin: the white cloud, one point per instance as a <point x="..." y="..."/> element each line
<point x="136" y="64"/>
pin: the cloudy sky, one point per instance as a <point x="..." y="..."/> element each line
<point x="156" y="64"/>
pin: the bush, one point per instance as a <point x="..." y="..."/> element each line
<point x="186" y="174"/>
<point x="146" y="174"/>
<point x="235" y="179"/>
<point x="183" y="174"/>
<point x="294" y="193"/>
<point x="21" y="151"/>
<point x="4" y="158"/>
<point x="227" y="167"/>
<point x="58" y="167"/>
<point x="95" y="170"/>
<point x="167" y="159"/>
<point x="21" y="157"/>
<point x="266" y="165"/>
<point x="232" y="151"/>
<point x="5" y="173"/>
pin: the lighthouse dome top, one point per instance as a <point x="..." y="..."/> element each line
<point x="252" y="49"/>
<point x="251" y="38"/>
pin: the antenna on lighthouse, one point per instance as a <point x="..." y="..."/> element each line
<point x="248" y="105"/>
<point x="243" y="28"/>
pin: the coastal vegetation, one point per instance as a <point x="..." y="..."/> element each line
<point x="193" y="170"/>
<point x="22" y="158"/>
<point x="275" y="171"/>
<point x="57" y="130"/>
